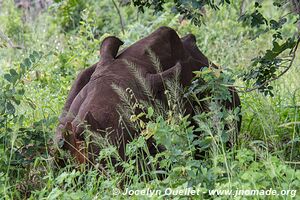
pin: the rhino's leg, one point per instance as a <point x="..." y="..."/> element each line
<point x="74" y="140"/>
<point x="109" y="49"/>
<point x="67" y="117"/>
<point x="91" y="147"/>
<point x="75" y="146"/>
<point x="189" y="43"/>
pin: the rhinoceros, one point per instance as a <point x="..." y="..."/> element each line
<point x="93" y="100"/>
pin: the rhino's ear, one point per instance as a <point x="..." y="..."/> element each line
<point x="157" y="80"/>
<point x="189" y="39"/>
<point x="190" y="45"/>
<point x="109" y="48"/>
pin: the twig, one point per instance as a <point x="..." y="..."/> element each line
<point x="120" y="16"/>
<point x="242" y="7"/>
<point x="288" y="124"/>
<point x="10" y="43"/>
<point x="290" y="162"/>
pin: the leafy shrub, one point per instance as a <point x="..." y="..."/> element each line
<point x="69" y="13"/>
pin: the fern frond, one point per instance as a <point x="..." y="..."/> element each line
<point x="142" y="81"/>
<point x="124" y="96"/>
<point x="155" y="60"/>
<point x="175" y="94"/>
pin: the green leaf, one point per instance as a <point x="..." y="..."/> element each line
<point x="13" y="72"/>
<point x="8" y="78"/>
<point x="27" y="62"/>
<point x="17" y="101"/>
<point x="21" y="92"/>
<point x="150" y="112"/>
<point x="32" y="58"/>
<point x="258" y="19"/>
<point x="23" y="67"/>
<point x="36" y="54"/>
<point x="10" y="108"/>
<point x="40" y="54"/>
<point x="14" y="75"/>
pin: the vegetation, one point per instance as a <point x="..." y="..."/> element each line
<point x="42" y="52"/>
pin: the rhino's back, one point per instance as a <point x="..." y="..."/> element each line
<point x="164" y="43"/>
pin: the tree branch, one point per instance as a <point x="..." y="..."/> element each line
<point x="293" y="55"/>
<point x="120" y="16"/>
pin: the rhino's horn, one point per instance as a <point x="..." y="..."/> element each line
<point x="109" y="48"/>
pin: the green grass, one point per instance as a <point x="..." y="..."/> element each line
<point x="267" y="153"/>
